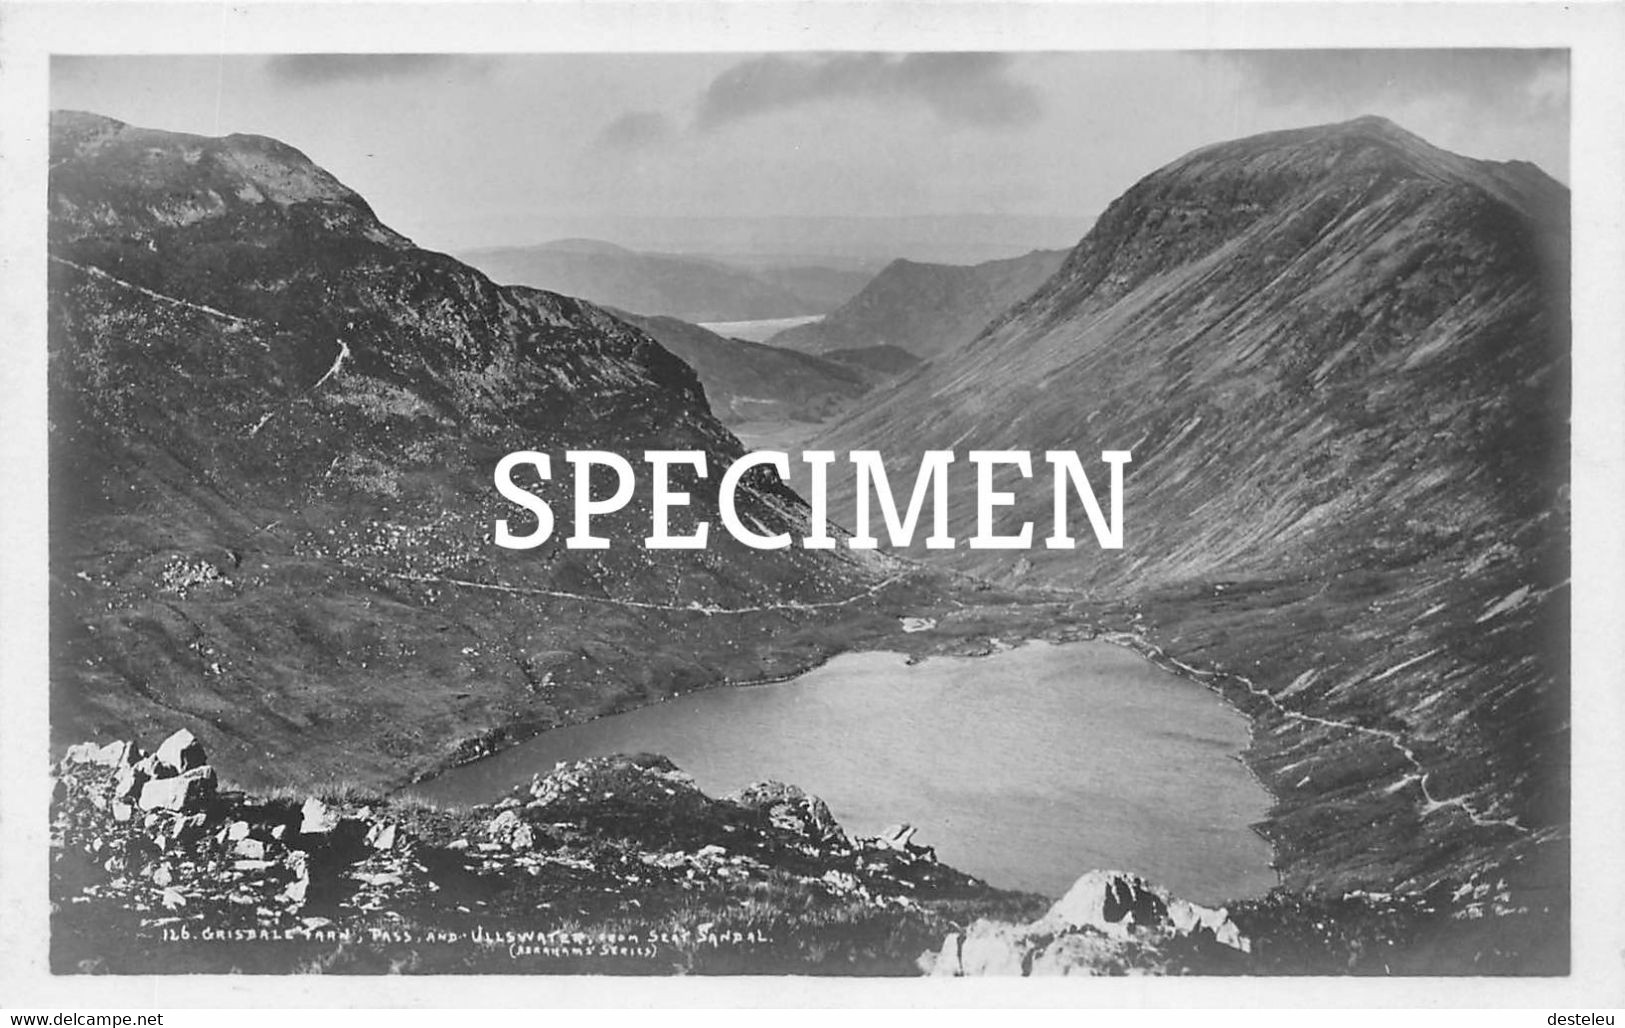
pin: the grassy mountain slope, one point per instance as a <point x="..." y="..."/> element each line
<point x="926" y="309"/>
<point x="273" y="429"/>
<point x="746" y="381"/>
<point x="1339" y="356"/>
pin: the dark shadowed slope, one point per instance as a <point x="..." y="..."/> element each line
<point x="273" y="428"/>
<point x="1340" y="358"/>
<point x="746" y="381"/>
<point x="691" y="288"/>
<point x="926" y="309"/>
<point x="880" y="360"/>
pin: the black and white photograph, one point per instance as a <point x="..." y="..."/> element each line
<point x="994" y="508"/>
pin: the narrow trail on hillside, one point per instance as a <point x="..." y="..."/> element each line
<point x="692" y="608"/>
<point x="337" y="366"/>
<point x="161" y="297"/>
<point x="1419" y="773"/>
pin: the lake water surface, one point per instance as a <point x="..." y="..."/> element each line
<point x="1026" y="768"/>
<point x="757" y="331"/>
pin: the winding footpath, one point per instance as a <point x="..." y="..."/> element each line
<point x="162" y="298"/>
<point x="694" y="607"/>
<point x="1419" y="773"/>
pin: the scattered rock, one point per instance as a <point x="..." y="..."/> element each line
<point x="896" y="837"/>
<point x="251" y="849"/>
<point x="127" y="782"/>
<point x="317" y="818"/>
<point x="1109" y="922"/>
<point x="510" y="830"/>
<point x="113" y="754"/>
<point x="382" y="836"/>
<point x="186" y="792"/>
<point x="1109" y="901"/>
<point x="1114" y="900"/>
<point x="181" y="751"/>
<point x="189" y="828"/>
<point x="789" y="807"/>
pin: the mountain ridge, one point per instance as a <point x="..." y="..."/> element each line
<point x="747" y="381"/>
<point x="692" y="288"/>
<point x="925" y="309"/>
<point x="1344" y="382"/>
<point x="273" y="424"/>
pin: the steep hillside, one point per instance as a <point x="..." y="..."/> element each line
<point x="693" y="289"/>
<point x="883" y="360"/>
<point x="747" y="381"/>
<point x="273" y="429"/>
<point x="1339" y="357"/>
<point x="820" y="287"/>
<point x="926" y="309"/>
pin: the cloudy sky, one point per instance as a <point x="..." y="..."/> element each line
<point x="465" y="151"/>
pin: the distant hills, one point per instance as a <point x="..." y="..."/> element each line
<point x="693" y="289"/>
<point x="746" y="381"/>
<point x="925" y="309"/>
<point x="849" y="242"/>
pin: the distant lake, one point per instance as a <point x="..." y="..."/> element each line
<point x="756" y="331"/>
<point x="1026" y="768"/>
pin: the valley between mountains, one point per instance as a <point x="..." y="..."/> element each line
<point x="1339" y="356"/>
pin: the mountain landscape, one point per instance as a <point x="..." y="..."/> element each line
<point x="861" y="243"/>
<point x="274" y="423"/>
<point x="925" y="309"/>
<point x="691" y="288"/>
<point x="1339" y="356"/>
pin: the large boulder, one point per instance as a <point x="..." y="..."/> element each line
<point x="181" y="752"/>
<point x="636" y="780"/>
<point x="113" y="754"/>
<point x="1113" y="901"/>
<point x="381" y="835"/>
<point x="1109" y="922"/>
<point x="1109" y="901"/>
<point x="899" y="837"/>
<point x="127" y="782"/>
<point x="509" y="829"/>
<point x="791" y="808"/>
<point x="184" y="793"/>
<point x="987" y="948"/>
<point x="317" y="818"/>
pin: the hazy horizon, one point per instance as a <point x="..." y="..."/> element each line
<point x="732" y="153"/>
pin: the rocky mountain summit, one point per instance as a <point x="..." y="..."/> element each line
<point x="1340" y="359"/>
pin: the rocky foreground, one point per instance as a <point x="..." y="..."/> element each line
<point x="621" y="865"/>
